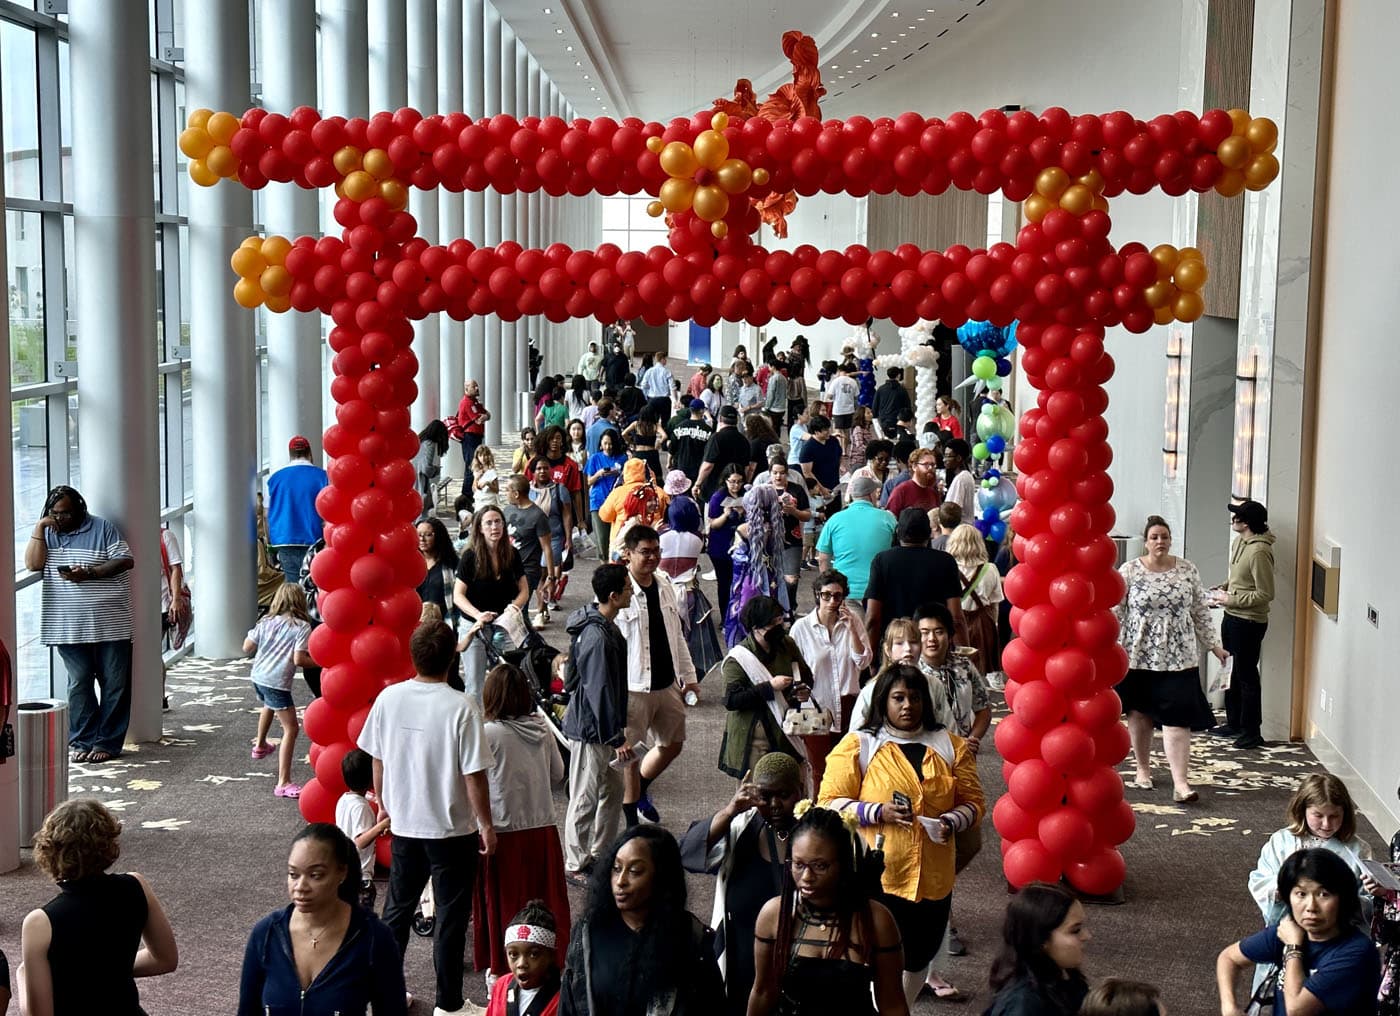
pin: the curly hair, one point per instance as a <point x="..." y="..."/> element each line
<point x="666" y="936"/>
<point x="78" y="840"/>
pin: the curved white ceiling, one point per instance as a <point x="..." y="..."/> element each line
<point x="657" y="60"/>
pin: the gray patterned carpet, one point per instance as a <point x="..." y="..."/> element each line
<point x="202" y="824"/>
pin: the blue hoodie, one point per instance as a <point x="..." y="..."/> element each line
<point x="366" y="971"/>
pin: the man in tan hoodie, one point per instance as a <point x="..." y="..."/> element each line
<point x="1246" y="598"/>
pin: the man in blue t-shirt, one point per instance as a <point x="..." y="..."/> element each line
<point x="293" y="524"/>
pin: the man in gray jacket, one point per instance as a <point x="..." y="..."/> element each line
<point x="595" y="722"/>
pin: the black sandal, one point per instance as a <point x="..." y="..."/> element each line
<point x="80" y="756"/>
<point x="99" y="756"/>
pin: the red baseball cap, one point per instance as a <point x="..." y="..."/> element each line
<point x="298" y="444"/>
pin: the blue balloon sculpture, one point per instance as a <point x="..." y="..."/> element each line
<point x="977" y="336"/>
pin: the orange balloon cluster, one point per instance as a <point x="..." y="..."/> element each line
<point x="1247" y="154"/>
<point x="1054" y="188"/>
<point x="1176" y="295"/>
<point x="702" y="176"/>
<point x="263" y="278"/>
<point x="367" y="175"/>
<point x="205" y="142"/>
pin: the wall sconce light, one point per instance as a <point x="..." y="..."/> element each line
<point x="1242" y="460"/>
<point x="1176" y="363"/>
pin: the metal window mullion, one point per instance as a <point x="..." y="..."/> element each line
<point x="174" y="426"/>
<point x="42" y="389"/>
<point x="55" y="342"/>
<point x="15" y="204"/>
<point x="50" y="129"/>
<point x="167" y="130"/>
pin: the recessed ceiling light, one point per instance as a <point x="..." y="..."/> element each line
<point x="578" y="63"/>
<point x="568" y="49"/>
<point x="585" y="77"/>
<point x="894" y="14"/>
<point x="836" y="67"/>
<point x="549" y="10"/>
<point x="559" y="31"/>
<point x="874" y="35"/>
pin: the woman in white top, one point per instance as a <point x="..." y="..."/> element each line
<point x="834" y="641"/>
<point x="1165" y="621"/>
<point x="981" y="595"/>
<point x="529" y="862"/>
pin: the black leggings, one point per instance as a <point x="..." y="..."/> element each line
<point x="921" y="926"/>
<point x="724" y="578"/>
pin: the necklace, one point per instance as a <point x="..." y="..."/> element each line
<point x="823" y="919"/>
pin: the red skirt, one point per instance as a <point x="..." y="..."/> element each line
<point x="527" y="865"/>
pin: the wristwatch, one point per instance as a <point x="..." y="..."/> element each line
<point x="1290" y="951"/>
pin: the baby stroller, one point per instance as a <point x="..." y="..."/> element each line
<point x="535" y="659"/>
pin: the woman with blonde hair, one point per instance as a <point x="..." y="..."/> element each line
<point x="981" y="594"/>
<point x="83" y="950"/>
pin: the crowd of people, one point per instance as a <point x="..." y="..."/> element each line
<point x="852" y="730"/>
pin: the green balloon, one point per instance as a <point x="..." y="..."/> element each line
<point x="994" y="383"/>
<point x="979" y="452"/>
<point x="984" y="368"/>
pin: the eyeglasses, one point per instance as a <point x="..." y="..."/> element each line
<point x="61" y="515"/>
<point x="836" y="597"/>
<point x="815" y="867"/>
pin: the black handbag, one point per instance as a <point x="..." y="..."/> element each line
<point x="1263" y="997"/>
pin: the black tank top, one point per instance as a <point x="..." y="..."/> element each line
<point x="96" y="931"/>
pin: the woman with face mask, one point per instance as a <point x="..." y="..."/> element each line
<point x="745" y="845"/>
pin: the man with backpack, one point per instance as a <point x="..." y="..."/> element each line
<point x="595" y="722"/>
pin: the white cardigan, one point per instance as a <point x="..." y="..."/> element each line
<point x="634" y="623"/>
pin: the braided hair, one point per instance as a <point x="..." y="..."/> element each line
<point x="80" y="508"/>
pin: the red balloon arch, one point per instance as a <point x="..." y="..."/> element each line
<point x="718" y="176"/>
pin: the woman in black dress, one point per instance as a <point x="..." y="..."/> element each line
<point x="824" y="941"/>
<point x="636" y="948"/>
<point x="83" y="950"/>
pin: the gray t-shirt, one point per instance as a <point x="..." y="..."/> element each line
<point x="527" y="528"/>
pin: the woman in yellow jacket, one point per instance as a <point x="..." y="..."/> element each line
<point x="906" y="777"/>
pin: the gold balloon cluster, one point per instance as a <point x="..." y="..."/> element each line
<point x="205" y="143"/>
<point x="368" y="174"/>
<point x="1247" y="154"/>
<point x="263" y="278"/>
<point x="1054" y="188"/>
<point x="1176" y="295"/>
<point x="703" y="176"/>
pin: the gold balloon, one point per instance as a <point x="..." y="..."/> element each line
<point x="1233" y="153"/>
<point x="1239" y="118"/>
<point x="1051" y="182"/>
<point x="678" y="159"/>
<point x="1190" y="276"/>
<point x="710" y="203"/>
<point x="719" y="230"/>
<point x="1191" y="254"/>
<point x="1093" y="180"/>
<point x="254" y="241"/>
<point x="340" y="189"/>
<point x="1159" y="294"/>
<point x="734" y="176"/>
<point x="1167" y="258"/>
<point x="199" y="119"/>
<point x="1036" y="206"/>
<point x="1189" y="307"/>
<point x="275" y="249"/>
<point x="360" y="185"/>
<point x="1164" y="315"/>
<point x="1100" y="203"/>
<point x="247" y="293"/>
<point x="1230" y="184"/>
<point x="655" y="144"/>
<point x="719" y="121"/>
<point x="195" y="142"/>
<point x="1077" y="199"/>
<point x="276" y="281"/>
<point x="222" y="161"/>
<point x="760" y="177"/>
<point x="202" y="174"/>
<point x="346" y="160"/>
<point x="278" y="304"/>
<point x="1262" y="134"/>
<point x="378" y="164"/>
<point x="677" y="193"/>
<point x="248" y="263"/>
<point x="395" y="193"/>
<point x="711" y="149"/>
<point x="655" y="209"/>
<point x="1260" y="172"/>
<point x="222" y="127"/>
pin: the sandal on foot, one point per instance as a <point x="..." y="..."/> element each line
<point x="1190" y="797"/>
<point x="1139" y="784"/>
<point x="79" y="756"/>
<point x="287" y="790"/>
<point x="99" y="756"/>
<point x="264" y="751"/>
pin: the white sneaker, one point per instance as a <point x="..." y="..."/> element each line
<point x="469" y="1008"/>
<point x="540" y="618"/>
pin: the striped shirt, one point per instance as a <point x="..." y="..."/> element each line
<point x="278" y="639"/>
<point x="97" y="610"/>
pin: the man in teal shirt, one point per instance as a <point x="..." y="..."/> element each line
<point x="853" y="536"/>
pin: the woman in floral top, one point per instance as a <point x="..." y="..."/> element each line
<point x="1165" y="622"/>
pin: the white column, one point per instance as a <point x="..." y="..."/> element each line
<point x="495" y="394"/>
<point x="345" y="83"/>
<point x="293" y="339"/>
<point x="451" y="363"/>
<point x="388" y="56"/>
<point x="423" y="96"/>
<point x="221" y="340"/>
<point x="554" y="231"/>
<point x="512" y="335"/>
<point x="473" y="49"/>
<point x="9" y="772"/>
<point x="538" y="324"/>
<point x="522" y="221"/>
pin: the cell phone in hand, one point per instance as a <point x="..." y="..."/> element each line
<point x="902" y="799"/>
<point x="64" y="569"/>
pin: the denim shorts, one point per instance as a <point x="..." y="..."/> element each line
<point x="273" y="698"/>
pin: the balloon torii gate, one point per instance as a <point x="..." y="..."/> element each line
<point x="719" y="174"/>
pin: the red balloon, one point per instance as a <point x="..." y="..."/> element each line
<point x="1043" y="627"/>
<point x="1098" y="711"/>
<point x="328" y="646"/>
<point x="1071" y="672"/>
<point x="1021" y="662"/>
<point x="1096" y="631"/>
<point x="345" y="609"/>
<point x="1115" y="824"/>
<point x="1070" y="592"/>
<point x="372" y="575"/>
<point x="1024" y="586"/>
<point x="1112" y="744"/>
<point x="316" y="803"/>
<point x="1067" y="834"/>
<point x="330" y="569"/>
<point x="1096" y="791"/>
<point x="323" y="722"/>
<point x="1013" y="822"/>
<point x="356" y="724"/>
<point x="1100" y="874"/>
<point x="399" y="609"/>
<point x="1036" y="785"/>
<point x="348" y="687"/>
<point x="1015" y="741"/>
<point x="1028" y="861"/>
<point x="1009" y="691"/>
<point x="328" y="772"/>
<point x="376" y="649"/>
<point x="1068" y="748"/>
<point x="1039" y="705"/>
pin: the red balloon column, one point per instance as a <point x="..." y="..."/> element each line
<point x="719" y="175"/>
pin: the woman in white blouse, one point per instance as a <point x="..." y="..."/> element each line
<point x="1165" y="620"/>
